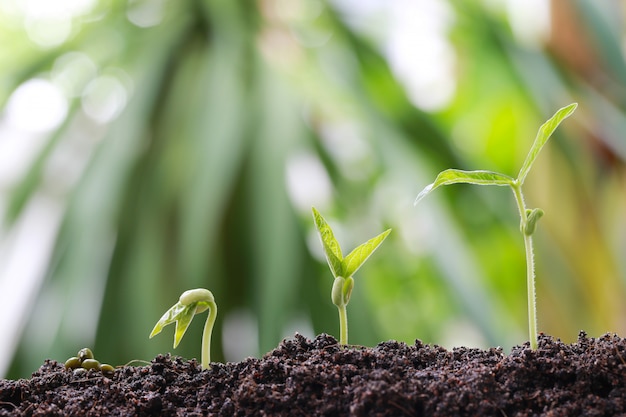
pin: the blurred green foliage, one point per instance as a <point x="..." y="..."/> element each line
<point x="192" y="184"/>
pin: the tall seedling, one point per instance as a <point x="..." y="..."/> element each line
<point x="529" y="217"/>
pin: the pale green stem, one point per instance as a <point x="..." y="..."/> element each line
<point x="530" y="267"/>
<point x="532" y="303"/>
<point x="206" y="336"/>
<point x="343" y="325"/>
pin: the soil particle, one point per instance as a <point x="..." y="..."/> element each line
<point x="317" y="377"/>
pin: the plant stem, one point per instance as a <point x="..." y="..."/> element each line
<point x="343" y="325"/>
<point x="206" y="336"/>
<point x="530" y="267"/>
<point x="530" y="282"/>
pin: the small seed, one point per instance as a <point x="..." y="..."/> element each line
<point x="107" y="370"/>
<point x="72" y="363"/>
<point x="90" y="364"/>
<point x="80" y="371"/>
<point x="85" y="353"/>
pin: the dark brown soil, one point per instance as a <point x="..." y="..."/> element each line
<point x="319" y="378"/>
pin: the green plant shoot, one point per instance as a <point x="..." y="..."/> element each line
<point x="529" y="217"/>
<point x="190" y="303"/>
<point x="343" y="268"/>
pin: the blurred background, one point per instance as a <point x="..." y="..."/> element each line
<point x="152" y="146"/>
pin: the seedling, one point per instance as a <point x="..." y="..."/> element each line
<point x="343" y="268"/>
<point x="529" y="217"/>
<point x="191" y="302"/>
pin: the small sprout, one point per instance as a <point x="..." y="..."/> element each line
<point x="191" y="302"/>
<point x="529" y="217"/>
<point x="90" y="364"/>
<point x="343" y="268"/>
<point x="73" y="363"/>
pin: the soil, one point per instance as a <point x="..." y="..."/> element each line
<point x="317" y="377"/>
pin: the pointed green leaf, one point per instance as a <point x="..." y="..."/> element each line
<point x="456" y="176"/>
<point x="359" y="255"/>
<point x="332" y="250"/>
<point x="169" y="317"/>
<point x="545" y="131"/>
<point x="181" y="315"/>
<point x="184" y="319"/>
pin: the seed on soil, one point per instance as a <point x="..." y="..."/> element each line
<point x="91" y="364"/>
<point x="107" y="370"/>
<point x="72" y="363"/>
<point x="85" y="353"/>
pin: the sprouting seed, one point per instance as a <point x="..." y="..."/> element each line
<point x="191" y="302"/>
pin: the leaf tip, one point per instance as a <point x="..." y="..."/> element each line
<point x="318" y="219"/>
<point x="156" y="330"/>
<point x="423" y="194"/>
<point x="569" y="109"/>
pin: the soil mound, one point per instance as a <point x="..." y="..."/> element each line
<point x="318" y="377"/>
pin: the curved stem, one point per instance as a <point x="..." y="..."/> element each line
<point x="343" y="325"/>
<point x="530" y="267"/>
<point x="206" y="336"/>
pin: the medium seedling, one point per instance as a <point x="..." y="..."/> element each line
<point x="191" y="302"/>
<point x="343" y="268"/>
<point x="529" y="217"/>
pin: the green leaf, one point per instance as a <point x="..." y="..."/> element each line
<point x="183" y="322"/>
<point x="181" y="315"/>
<point x="332" y="250"/>
<point x="545" y="131"/>
<point x="456" y="176"/>
<point x="359" y="255"/>
<point x="169" y="317"/>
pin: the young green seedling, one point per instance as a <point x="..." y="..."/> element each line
<point x="529" y="217"/>
<point x="343" y="268"/>
<point x="191" y="302"/>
